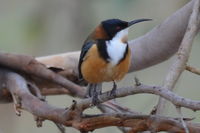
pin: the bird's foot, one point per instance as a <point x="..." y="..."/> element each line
<point x="95" y="99"/>
<point x="113" y="91"/>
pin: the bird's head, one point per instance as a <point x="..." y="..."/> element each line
<point x="111" y="28"/>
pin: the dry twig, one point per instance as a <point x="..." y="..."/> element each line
<point x="192" y="69"/>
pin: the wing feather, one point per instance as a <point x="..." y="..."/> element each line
<point x="84" y="51"/>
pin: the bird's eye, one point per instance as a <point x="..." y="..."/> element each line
<point x="118" y="28"/>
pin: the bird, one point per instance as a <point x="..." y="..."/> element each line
<point x="105" y="55"/>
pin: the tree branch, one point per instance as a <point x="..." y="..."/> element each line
<point x="126" y="91"/>
<point x="72" y="116"/>
<point x="138" y="123"/>
<point x="183" y="54"/>
<point x="29" y="65"/>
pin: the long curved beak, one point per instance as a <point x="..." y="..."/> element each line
<point x="137" y="21"/>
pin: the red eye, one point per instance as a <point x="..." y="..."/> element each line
<point x="118" y="27"/>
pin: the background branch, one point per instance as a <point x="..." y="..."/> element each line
<point x="183" y="54"/>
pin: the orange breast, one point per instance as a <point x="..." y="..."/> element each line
<point x="96" y="70"/>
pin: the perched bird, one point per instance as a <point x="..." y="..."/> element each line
<point x="105" y="55"/>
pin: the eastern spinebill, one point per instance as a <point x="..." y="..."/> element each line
<point x="105" y="55"/>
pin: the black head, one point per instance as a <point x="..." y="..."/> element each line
<point x="113" y="26"/>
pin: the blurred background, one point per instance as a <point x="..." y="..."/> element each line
<point x="45" y="27"/>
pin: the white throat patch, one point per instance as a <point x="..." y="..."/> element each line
<point x="116" y="48"/>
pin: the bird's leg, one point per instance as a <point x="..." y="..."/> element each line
<point x="90" y="90"/>
<point x="93" y="91"/>
<point x="99" y="88"/>
<point x="97" y="92"/>
<point x="95" y="99"/>
<point x="113" y="91"/>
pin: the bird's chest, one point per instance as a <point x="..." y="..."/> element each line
<point x="116" y="51"/>
<point x="96" y="69"/>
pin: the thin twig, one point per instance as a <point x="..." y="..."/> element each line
<point x="178" y="109"/>
<point x="192" y="69"/>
